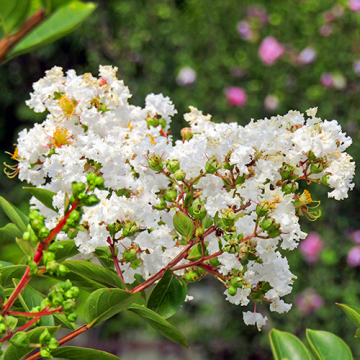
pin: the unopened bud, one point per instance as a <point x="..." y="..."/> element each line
<point x="212" y="165"/>
<point x="170" y="195"/>
<point x="262" y="209"/>
<point x="316" y="168"/>
<point x="186" y="133"/>
<point x="173" y="165"/>
<point x="179" y="175"/>
<point x="155" y="163"/>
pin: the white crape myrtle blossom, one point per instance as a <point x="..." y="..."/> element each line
<point x="238" y="186"/>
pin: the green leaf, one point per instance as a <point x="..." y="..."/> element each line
<point x="95" y="272"/>
<point x="26" y="247"/>
<point x="159" y="324"/>
<point x="352" y="312"/>
<point x="12" y="15"/>
<point x="5" y="263"/>
<point x="195" y="253"/>
<point x="327" y="346"/>
<point x="183" y="225"/>
<point x="287" y="346"/>
<point x="43" y="195"/>
<point x="18" y="353"/>
<point x="14" y="214"/>
<point x="63" y="21"/>
<point x="30" y="298"/>
<point x="105" y="303"/>
<point x="9" y="232"/>
<point x="69" y="250"/>
<point x="80" y="353"/>
<point x="168" y="295"/>
<point x="11" y="272"/>
<point x="62" y="320"/>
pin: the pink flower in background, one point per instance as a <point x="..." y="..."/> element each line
<point x="256" y="12"/>
<point x="270" y="50"/>
<point x="327" y="80"/>
<point x="308" y="301"/>
<point x="186" y="76"/>
<point x="271" y="102"/>
<point x="236" y="96"/>
<point x="311" y="246"/>
<point x="356" y="67"/>
<point x="353" y="258"/>
<point x="307" y="56"/>
<point x="355" y="237"/>
<point x="354" y="5"/>
<point x="325" y="30"/>
<point x="244" y="30"/>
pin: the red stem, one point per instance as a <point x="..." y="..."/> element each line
<point x="116" y="263"/>
<point x="40" y="313"/>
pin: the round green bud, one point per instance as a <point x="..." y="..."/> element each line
<point x="37" y="224"/>
<point x="33" y="267"/>
<point x="20" y="339"/>
<point x="170" y="195"/>
<point x="199" y="232"/>
<point x="232" y="291"/>
<point x="75" y="215"/>
<point x="44" y="337"/>
<point x="91" y="178"/>
<point x="26" y="235"/>
<point x="162" y="122"/>
<point x="179" y="175"/>
<point x="289" y="188"/>
<point x="151" y="121"/>
<point x="198" y="210"/>
<point x="45" y="353"/>
<point x="212" y="165"/>
<point x="173" y="165"/>
<point x="262" y="209"/>
<point x="52" y="267"/>
<point x="68" y="305"/>
<point x="186" y="133"/>
<point x="266" y="223"/>
<point x="161" y="206"/>
<point x="200" y="270"/>
<point x="62" y="270"/>
<point x="92" y="200"/>
<point x="274" y="233"/>
<point x="34" y="214"/>
<point x="155" y="163"/>
<point x="316" y="168"/>
<point x="44" y="232"/>
<point x="53" y="344"/>
<point x="82" y="196"/>
<point x="228" y="217"/>
<point x="75" y="292"/>
<point x="2" y="328"/>
<point x="72" y="317"/>
<point x="48" y="256"/>
<point x="130" y="255"/>
<point x="191" y="276"/>
<point x="325" y="179"/>
<point x="99" y="182"/>
<point x="237" y="282"/>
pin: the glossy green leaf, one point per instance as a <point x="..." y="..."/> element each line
<point x="43" y="195"/>
<point x="352" y="312"/>
<point x="30" y="298"/>
<point x="5" y="263"/>
<point x="58" y="3"/>
<point x="69" y="250"/>
<point x="14" y="214"/>
<point x="159" y="324"/>
<point x="95" y="272"/>
<point x="9" y="232"/>
<point x="80" y="353"/>
<point x="63" y="21"/>
<point x="168" y="295"/>
<point x="286" y="346"/>
<point x="11" y="272"/>
<point x="327" y="346"/>
<point x="105" y="303"/>
<point x="18" y="353"/>
<point x="183" y="225"/>
<point x="12" y="15"/>
<point x="26" y="247"/>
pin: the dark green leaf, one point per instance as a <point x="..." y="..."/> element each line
<point x="80" y="353"/>
<point x="26" y="247"/>
<point x="159" y="324"/>
<point x="12" y="15"/>
<point x="63" y="21"/>
<point x="5" y="263"/>
<point x="183" y="225"/>
<point x="18" y="353"/>
<point x="105" y="303"/>
<point x="327" y="346"/>
<point x="287" y="346"/>
<point x="95" y="272"/>
<point x="168" y="295"/>
<point x="195" y="253"/>
<point x="9" y="232"/>
<point x="14" y="214"/>
<point x="352" y="312"/>
<point x="11" y="272"/>
<point x="43" y="195"/>
<point x="69" y="250"/>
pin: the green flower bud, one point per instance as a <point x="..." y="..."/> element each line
<point x="152" y="121"/>
<point x="173" y="165"/>
<point x="75" y="292"/>
<point x="198" y="210"/>
<point x="20" y="339"/>
<point x="75" y="215"/>
<point x="44" y="232"/>
<point x="273" y="233"/>
<point x="325" y="179"/>
<point x="179" y="175"/>
<point x="44" y="337"/>
<point x="199" y="233"/>
<point x="91" y="178"/>
<point x="214" y="262"/>
<point x="52" y="267"/>
<point x="72" y="317"/>
<point x="170" y="195"/>
<point x="37" y="224"/>
<point x="92" y="200"/>
<point x="232" y="291"/>
<point x="82" y="196"/>
<point x="266" y="223"/>
<point x="62" y="270"/>
<point x="33" y="267"/>
<point x="228" y="217"/>
<point x="237" y="282"/>
<point x="186" y="133"/>
<point x="33" y="214"/>
<point x="64" y="285"/>
<point x="262" y="209"/>
<point x="155" y="163"/>
<point x="99" y="182"/>
<point x="129" y="229"/>
<point x="45" y="353"/>
<point x="316" y="168"/>
<point x="130" y="255"/>
<point x="162" y="122"/>
<point x="2" y="328"/>
<point x="26" y="235"/>
<point x="212" y="165"/>
<point x="53" y="344"/>
<point x="191" y="275"/>
<point x="68" y="305"/>
<point x="48" y="256"/>
<point x="161" y="206"/>
<point x="289" y="188"/>
<point x="286" y="171"/>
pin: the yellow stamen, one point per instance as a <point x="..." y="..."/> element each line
<point x="305" y="197"/>
<point x="152" y="142"/>
<point x="60" y="138"/>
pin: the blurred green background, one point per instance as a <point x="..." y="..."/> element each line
<point x="194" y="51"/>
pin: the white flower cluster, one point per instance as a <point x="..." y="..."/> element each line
<point x="238" y="185"/>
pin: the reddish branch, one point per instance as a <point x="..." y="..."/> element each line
<point x="7" y="43"/>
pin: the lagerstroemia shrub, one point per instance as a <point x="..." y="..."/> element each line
<point x="223" y="201"/>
